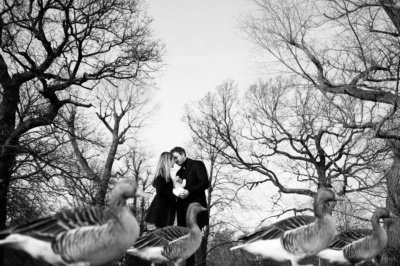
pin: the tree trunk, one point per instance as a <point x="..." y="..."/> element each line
<point x="391" y="254"/>
<point x="8" y="110"/>
<point x="392" y="11"/>
<point x="6" y="162"/>
<point x="3" y="202"/>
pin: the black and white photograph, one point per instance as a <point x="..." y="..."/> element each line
<point x="199" y="132"/>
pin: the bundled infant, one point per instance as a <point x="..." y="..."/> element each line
<point x="179" y="185"/>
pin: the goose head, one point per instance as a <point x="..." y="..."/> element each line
<point x="324" y="195"/>
<point x="126" y="188"/>
<point x="381" y="213"/>
<point x="191" y="215"/>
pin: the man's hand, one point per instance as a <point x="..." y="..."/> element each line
<point x="184" y="193"/>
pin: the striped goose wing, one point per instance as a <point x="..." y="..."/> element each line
<point x="277" y="229"/>
<point x="49" y="227"/>
<point x="161" y="237"/>
<point x="343" y="239"/>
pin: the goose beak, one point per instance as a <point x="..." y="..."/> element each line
<point x="338" y="198"/>
<point x="203" y="209"/>
<point x="141" y="194"/>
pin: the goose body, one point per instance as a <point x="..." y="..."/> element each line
<point x="172" y="243"/>
<point x="297" y="237"/>
<point x="81" y="236"/>
<point x="270" y="237"/>
<point x="356" y="246"/>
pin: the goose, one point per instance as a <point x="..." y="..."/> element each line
<point x="295" y="238"/>
<point x="356" y="246"/>
<point x="172" y="243"/>
<point x="82" y="236"/>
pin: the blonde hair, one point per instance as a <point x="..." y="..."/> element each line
<point x="164" y="166"/>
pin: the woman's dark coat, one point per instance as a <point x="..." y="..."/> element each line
<point x="162" y="209"/>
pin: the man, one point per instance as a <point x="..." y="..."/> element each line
<point x="195" y="174"/>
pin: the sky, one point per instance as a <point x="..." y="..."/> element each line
<point x="203" y="49"/>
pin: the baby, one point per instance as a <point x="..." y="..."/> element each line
<point x="179" y="184"/>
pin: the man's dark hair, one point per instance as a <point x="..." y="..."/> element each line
<point x="179" y="150"/>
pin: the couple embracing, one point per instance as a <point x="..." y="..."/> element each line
<point x="174" y="194"/>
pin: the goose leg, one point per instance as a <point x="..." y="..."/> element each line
<point x="180" y="262"/>
<point x="295" y="263"/>
<point x="158" y="264"/>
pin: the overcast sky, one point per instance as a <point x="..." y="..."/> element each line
<point x="203" y="49"/>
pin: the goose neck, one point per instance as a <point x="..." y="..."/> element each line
<point x="321" y="209"/>
<point x="375" y="222"/>
<point x="191" y="221"/>
<point x="117" y="202"/>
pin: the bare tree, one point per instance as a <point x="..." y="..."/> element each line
<point x="289" y="136"/>
<point x="122" y="113"/>
<point x="343" y="47"/>
<point x="263" y="123"/>
<point x="138" y="166"/>
<point x="56" y="45"/>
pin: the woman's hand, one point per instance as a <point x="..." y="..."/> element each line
<point x="184" y="193"/>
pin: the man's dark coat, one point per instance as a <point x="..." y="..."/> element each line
<point x="196" y="176"/>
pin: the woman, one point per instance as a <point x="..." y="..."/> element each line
<point x="162" y="210"/>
